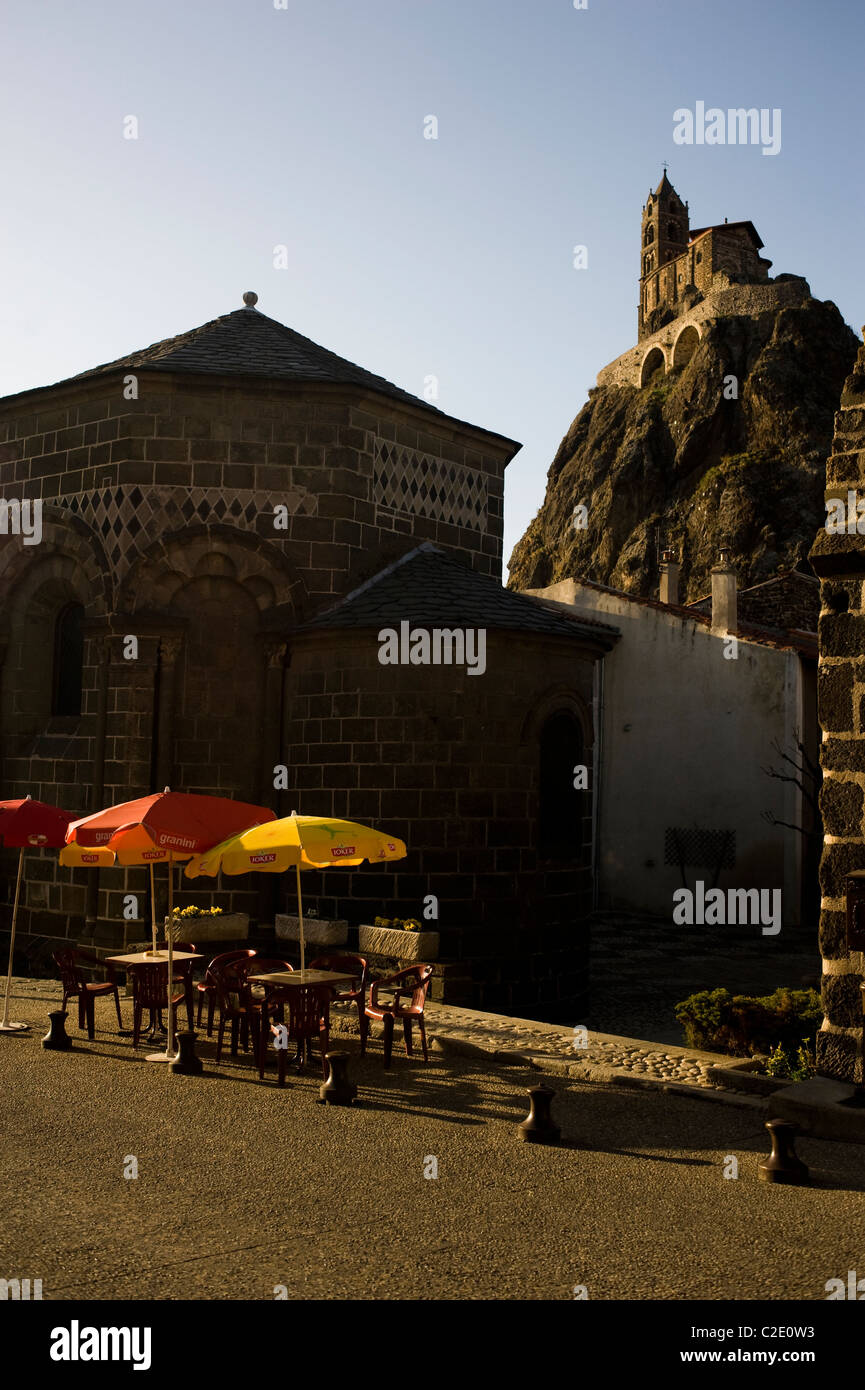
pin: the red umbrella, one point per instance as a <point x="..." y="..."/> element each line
<point x="25" y="824"/>
<point x="178" y="822"/>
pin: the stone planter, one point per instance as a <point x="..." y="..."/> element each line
<point x="317" y="931"/>
<point x="747" y="1075"/>
<point x="403" y="945"/>
<point x="231" y="926"/>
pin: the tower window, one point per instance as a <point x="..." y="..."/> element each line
<point x="650" y="236"/>
<point x="68" y="660"/>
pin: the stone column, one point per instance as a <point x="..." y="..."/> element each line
<point x="102" y="649"/>
<point x="169" y="651"/>
<point x="270" y="755"/>
<point x="838" y="558"/>
<point x="271" y="718"/>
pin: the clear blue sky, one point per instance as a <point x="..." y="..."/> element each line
<point x="304" y="126"/>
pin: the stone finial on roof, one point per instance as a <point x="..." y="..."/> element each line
<point x="250" y="299"/>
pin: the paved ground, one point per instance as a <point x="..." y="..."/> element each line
<point x="642" y="967"/>
<point x="243" y="1188"/>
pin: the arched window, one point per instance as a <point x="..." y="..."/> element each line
<point x="68" y="660"/>
<point x="650" y="235"/>
<point x="673" y="231"/>
<point x="561" y="806"/>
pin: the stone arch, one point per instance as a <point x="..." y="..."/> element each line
<point x="171" y="564"/>
<point x="37" y="590"/>
<point x="654" y="361"/>
<point x="686" y="345"/>
<point x="555" y="699"/>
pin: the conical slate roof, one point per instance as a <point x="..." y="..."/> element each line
<point x="431" y="588"/>
<point x="248" y="343"/>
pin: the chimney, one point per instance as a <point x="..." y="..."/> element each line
<point x="669" y="577"/>
<point x="724" y="595"/>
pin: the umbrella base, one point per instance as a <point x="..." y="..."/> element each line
<point x="14" y="1027"/>
<point x="160" y="1057"/>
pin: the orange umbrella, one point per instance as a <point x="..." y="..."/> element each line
<point x="179" y="824"/>
<point x="22" y="824"/>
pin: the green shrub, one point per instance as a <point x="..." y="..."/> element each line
<point x="743" y="1024"/>
<point x="784" y="1064"/>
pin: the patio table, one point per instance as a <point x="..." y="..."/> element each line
<point x="157" y="1030"/>
<point x="296" y="979"/>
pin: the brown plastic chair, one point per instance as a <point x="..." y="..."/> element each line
<point x="308" y="1018"/>
<point x="348" y="965"/>
<point x="236" y="1003"/>
<point x="206" y="988"/>
<point x="267" y="1000"/>
<point x="150" y="991"/>
<point x="86" y="991"/>
<point x="410" y="984"/>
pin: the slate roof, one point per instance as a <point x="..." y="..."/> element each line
<point x="727" y="227"/>
<point x="246" y="342"/>
<point x="429" y="588"/>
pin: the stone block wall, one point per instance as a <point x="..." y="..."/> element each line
<point x="449" y="763"/>
<point x="158" y="519"/>
<point x="839" y="561"/>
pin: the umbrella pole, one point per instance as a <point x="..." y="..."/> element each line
<point x="170" y="1049"/>
<point x="168" y="1054"/>
<point x="153" y="907"/>
<point x="6" y="1026"/>
<point x="300" y="919"/>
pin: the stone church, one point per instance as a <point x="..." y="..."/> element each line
<point x="229" y="520"/>
<point x="688" y="277"/>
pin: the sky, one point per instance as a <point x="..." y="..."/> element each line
<point x="304" y="126"/>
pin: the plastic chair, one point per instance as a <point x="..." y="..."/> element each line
<point x="308" y="1018"/>
<point x="207" y="987"/>
<point x="236" y="1004"/>
<point x="347" y="965"/>
<point x="86" y="991"/>
<point x="410" y="984"/>
<point x="268" y="1001"/>
<point x="150" y="991"/>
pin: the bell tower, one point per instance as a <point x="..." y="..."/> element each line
<point x="664" y="232"/>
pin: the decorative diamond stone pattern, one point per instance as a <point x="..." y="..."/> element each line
<point x="129" y="519"/>
<point x="408" y="481"/>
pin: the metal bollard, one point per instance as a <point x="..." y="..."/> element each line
<point x="337" y="1089"/>
<point x="538" y="1127"/>
<point x="186" y="1063"/>
<point x="57" y="1039"/>
<point x="783" y="1164"/>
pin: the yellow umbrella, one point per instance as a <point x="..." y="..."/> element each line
<point x="309" y="842"/>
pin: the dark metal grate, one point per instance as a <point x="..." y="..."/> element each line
<point x="695" y="848"/>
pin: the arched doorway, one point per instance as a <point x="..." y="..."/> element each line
<point x="561" y="805"/>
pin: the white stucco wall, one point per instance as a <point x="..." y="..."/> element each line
<point x="686" y="734"/>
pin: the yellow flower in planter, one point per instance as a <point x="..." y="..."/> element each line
<point x="411" y="924"/>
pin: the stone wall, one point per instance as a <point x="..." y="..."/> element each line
<point x="450" y="763"/>
<point x="840" y="563"/>
<point x="725" y="300"/>
<point x="158" y="518"/>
